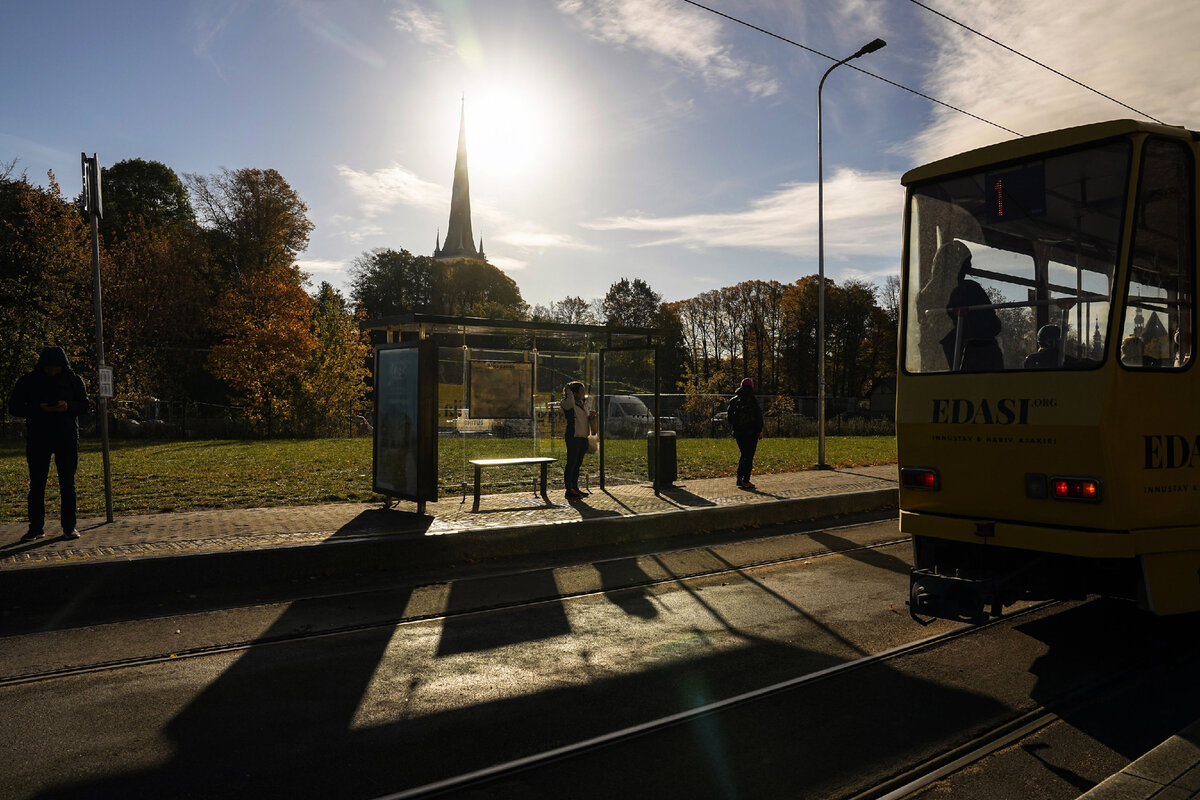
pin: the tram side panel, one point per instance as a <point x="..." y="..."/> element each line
<point x="1156" y="482"/>
<point x="999" y="445"/>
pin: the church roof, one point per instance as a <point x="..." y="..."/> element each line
<point x="459" y="242"/>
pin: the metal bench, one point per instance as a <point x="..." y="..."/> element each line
<point x="541" y="461"/>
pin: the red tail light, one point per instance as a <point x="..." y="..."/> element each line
<point x="1089" y="490"/>
<point x="925" y="478"/>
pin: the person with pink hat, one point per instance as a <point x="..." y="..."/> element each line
<point x="745" y="418"/>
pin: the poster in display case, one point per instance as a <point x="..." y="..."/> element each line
<point x="405" y="445"/>
<point x="501" y="390"/>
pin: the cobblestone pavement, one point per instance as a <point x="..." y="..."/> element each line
<point x="178" y="533"/>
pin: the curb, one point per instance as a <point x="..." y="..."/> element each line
<point x="1170" y="770"/>
<point x="90" y="582"/>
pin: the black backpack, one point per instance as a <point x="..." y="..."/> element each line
<point x="741" y="415"/>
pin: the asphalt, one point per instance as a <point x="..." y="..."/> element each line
<point x="144" y="554"/>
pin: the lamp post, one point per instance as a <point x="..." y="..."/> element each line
<point x="871" y="47"/>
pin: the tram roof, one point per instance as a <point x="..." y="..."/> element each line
<point x="1027" y="146"/>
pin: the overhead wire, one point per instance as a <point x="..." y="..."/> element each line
<point x="851" y="66"/>
<point x="1033" y="60"/>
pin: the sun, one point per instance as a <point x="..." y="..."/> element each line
<point x="509" y="131"/>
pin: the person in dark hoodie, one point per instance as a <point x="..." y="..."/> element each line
<point x="745" y="418"/>
<point x="51" y="398"/>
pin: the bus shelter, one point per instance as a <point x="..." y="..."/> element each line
<point x="453" y="391"/>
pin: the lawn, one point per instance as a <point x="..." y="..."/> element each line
<point x="150" y="477"/>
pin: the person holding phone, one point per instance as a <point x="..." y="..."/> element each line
<point x="51" y="398"/>
<point x="580" y="418"/>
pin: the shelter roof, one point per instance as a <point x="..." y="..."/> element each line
<point x="478" y="326"/>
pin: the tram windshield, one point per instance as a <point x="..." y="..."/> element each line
<point x="1012" y="267"/>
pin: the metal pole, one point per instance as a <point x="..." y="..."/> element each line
<point x="874" y="45"/>
<point x="92" y="189"/>
<point x="658" y="462"/>
<point x="600" y="409"/>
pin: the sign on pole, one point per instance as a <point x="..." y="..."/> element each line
<point x="106" y="385"/>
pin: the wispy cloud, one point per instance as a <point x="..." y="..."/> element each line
<point x="541" y="241"/>
<point x="507" y="264"/>
<point x="384" y="189"/>
<point x="691" y="40"/>
<point x="208" y="22"/>
<point x="862" y="217"/>
<point x="323" y="269"/>
<point x="316" y="18"/>
<point x="1103" y="43"/>
<point x="425" y="26"/>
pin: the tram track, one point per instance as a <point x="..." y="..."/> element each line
<point x="746" y="681"/>
<point x="1001" y="736"/>
<point x="906" y="779"/>
<point x="225" y="648"/>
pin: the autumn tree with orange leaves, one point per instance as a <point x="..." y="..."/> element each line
<point x="265" y="321"/>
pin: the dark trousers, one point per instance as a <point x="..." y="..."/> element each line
<point x="576" y="450"/>
<point x="66" y="461"/>
<point x="747" y="443"/>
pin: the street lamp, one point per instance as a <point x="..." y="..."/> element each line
<point x="871" y="47"/>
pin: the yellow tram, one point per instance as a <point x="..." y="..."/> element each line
<point x="1048" y="410"/>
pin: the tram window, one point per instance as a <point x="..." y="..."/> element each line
<point x="1043" y="238"/>
<point x="1157" y="327"/>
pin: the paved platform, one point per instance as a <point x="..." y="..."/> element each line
<point x="1170" y="771"/>
<point x="188" y="532"/>
<point x="149" y="553"/>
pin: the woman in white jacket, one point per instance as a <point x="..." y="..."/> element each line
<point x="578" y="411"/>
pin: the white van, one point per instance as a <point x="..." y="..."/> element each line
<point x="628" y="417"/>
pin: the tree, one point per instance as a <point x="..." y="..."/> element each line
<point x="672" y="348"/>
<point x="387" y="282"/>
<point x="45" y="276"/>
<point x="143" y="195"/>
<point x="569" y="310"/>
<point x="702" y="398"/>
<point x="800" y="336"/>
<point x="258" y="221"/>
<point x="155" y="304"/>
<point x="472" y="288"/>
<point x="630" y="304"/>
<point x="335" y="376"/>
<point x="848" y="309"/>
<point x="265" y="322"/>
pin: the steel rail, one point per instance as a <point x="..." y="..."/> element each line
<point x="505" y="769"/>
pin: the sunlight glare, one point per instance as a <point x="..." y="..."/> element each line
<point x="509" y="131"/>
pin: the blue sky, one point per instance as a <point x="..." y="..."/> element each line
<point x="607" y="138"/>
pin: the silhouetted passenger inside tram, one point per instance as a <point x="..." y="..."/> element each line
<point x="970" y="344"/>
<point x="1183" y="349"/>
<point x="1048" y="352"/>
<point x="1133" y="353"/>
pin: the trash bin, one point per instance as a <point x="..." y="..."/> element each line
<point x="666" y="455"/>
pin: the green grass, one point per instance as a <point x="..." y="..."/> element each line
<point x="150" y="477"/>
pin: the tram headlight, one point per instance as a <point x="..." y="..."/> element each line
<point x="1087" y="490"/>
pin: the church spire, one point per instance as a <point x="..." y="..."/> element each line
<point x="459" y="242"/>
